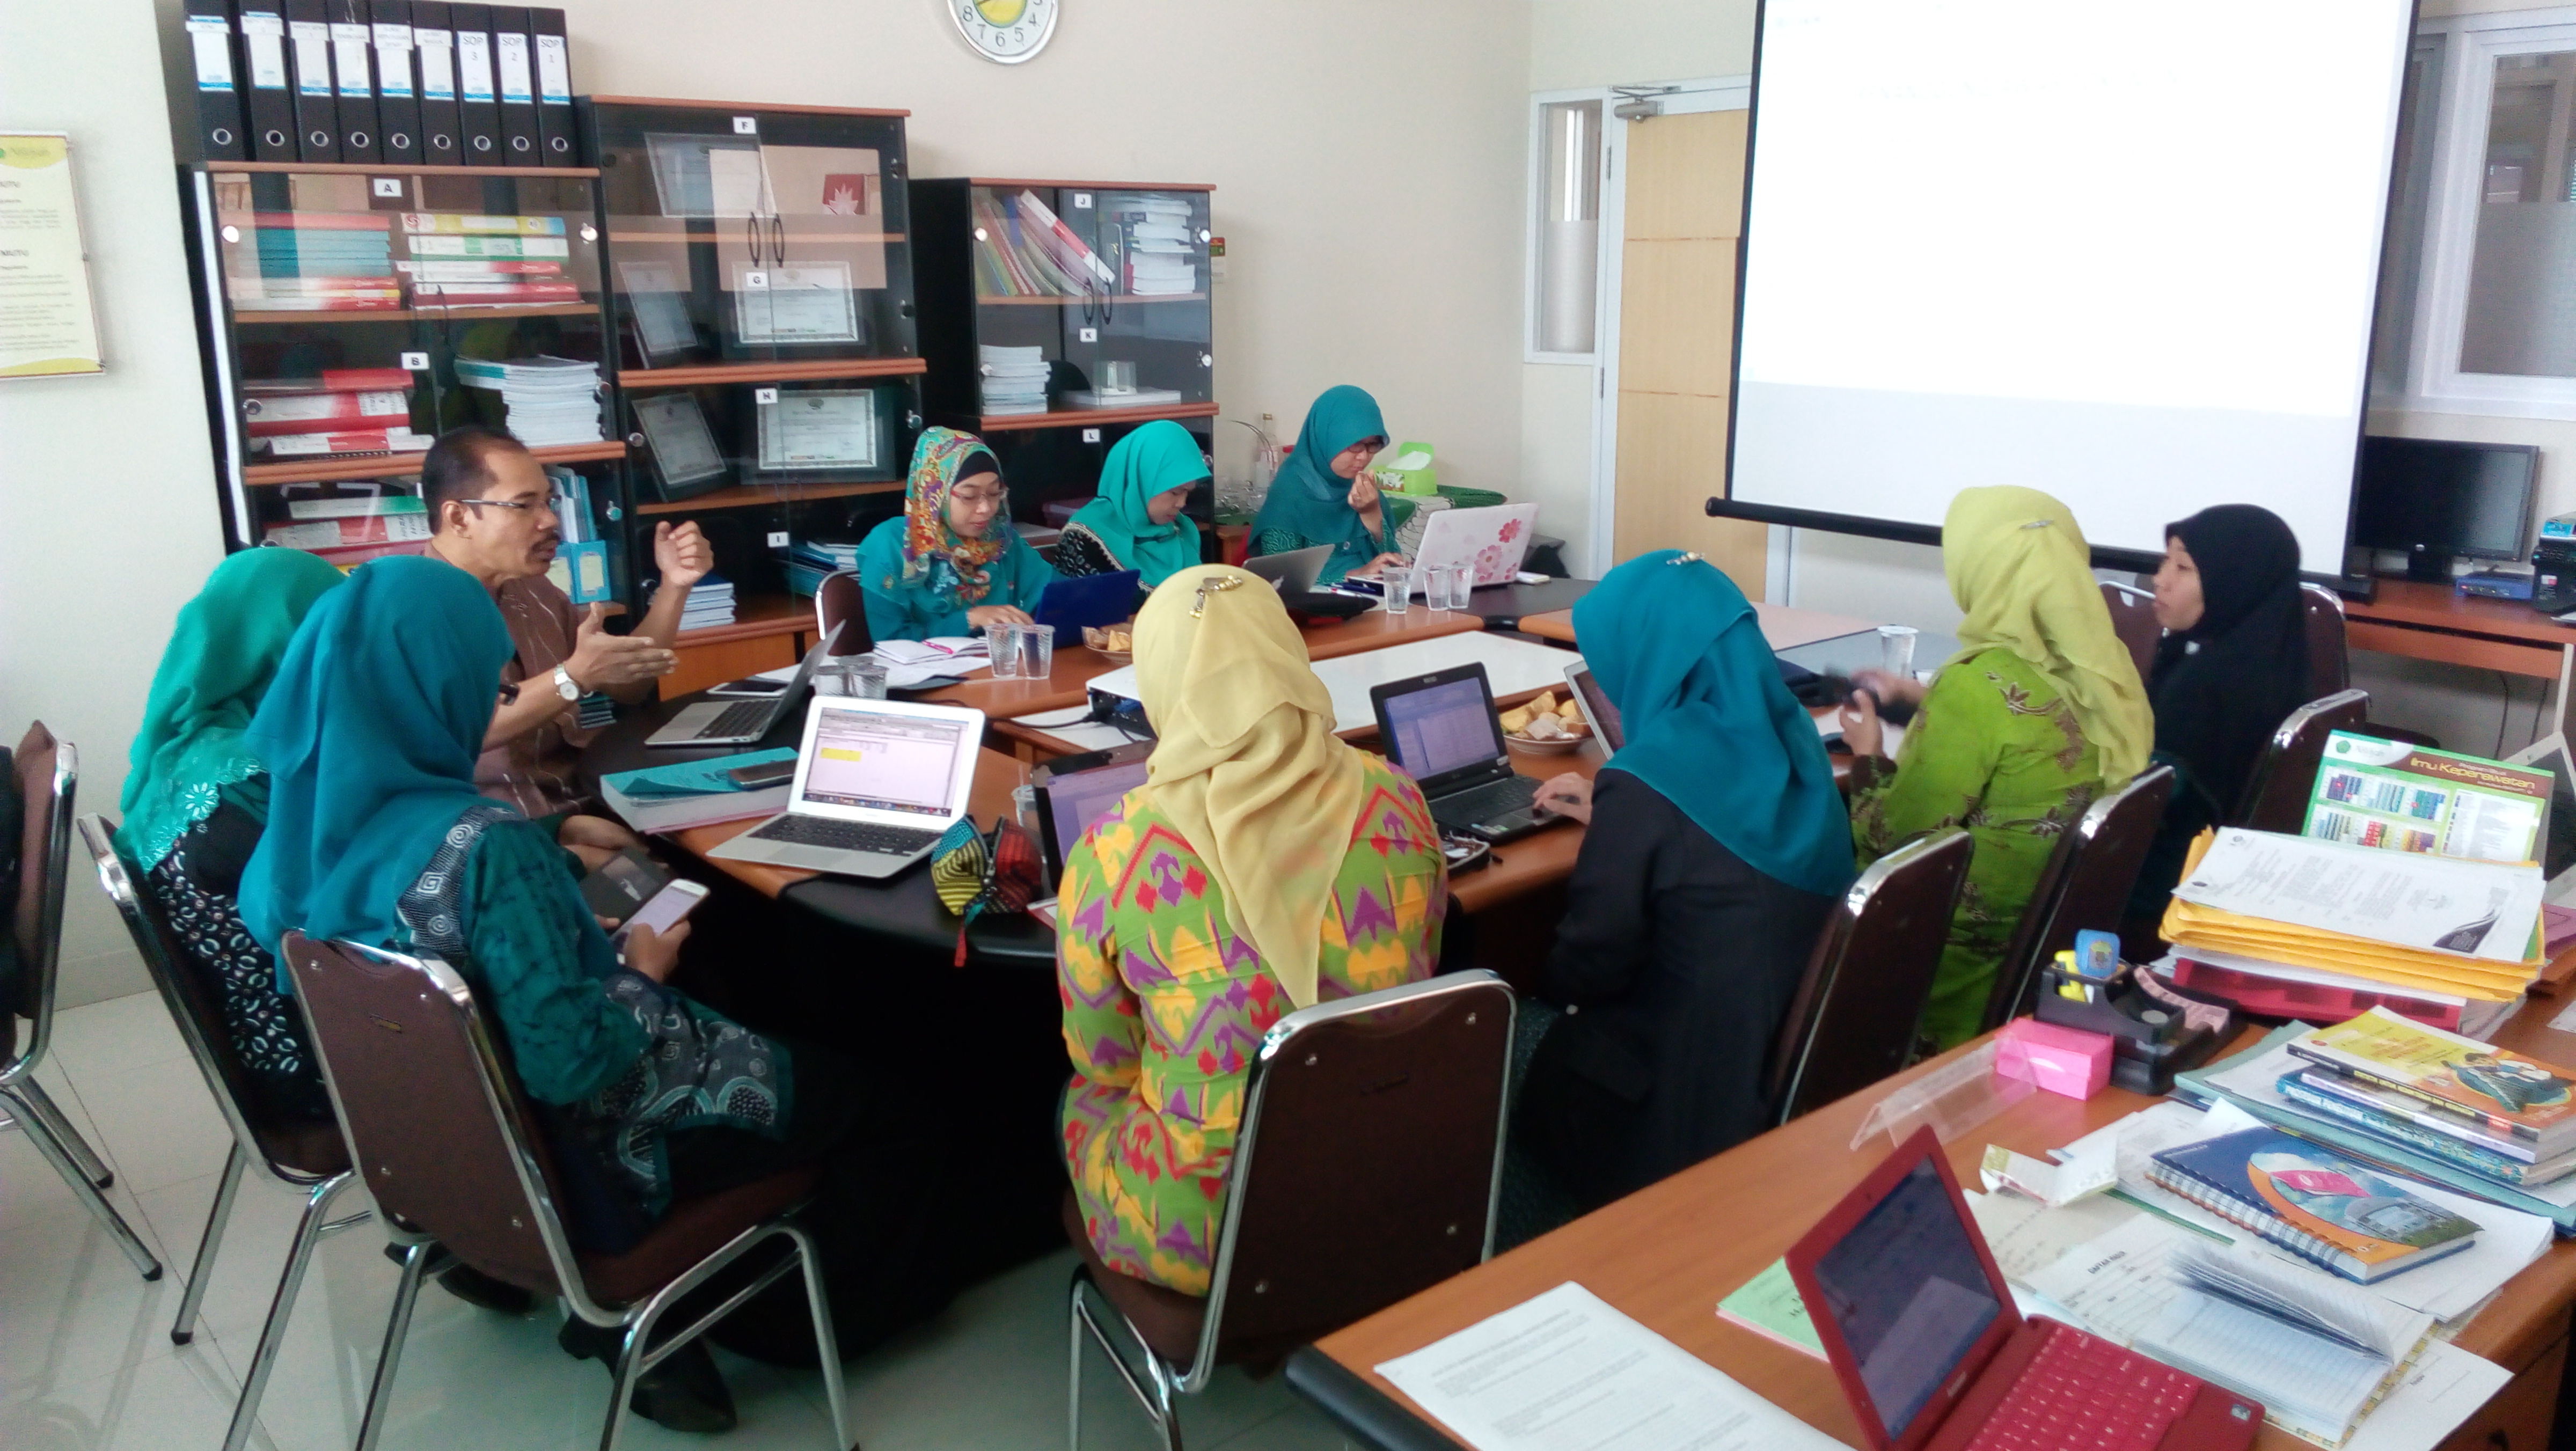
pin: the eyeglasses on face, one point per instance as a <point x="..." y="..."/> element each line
<point x="518" y="504"/>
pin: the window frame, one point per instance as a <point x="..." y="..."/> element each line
<point x="2471" y="46"/>
<point x="1534" y="226"/>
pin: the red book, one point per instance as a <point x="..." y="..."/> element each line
<point x="350" y="533"/>
<point x="333" y="380"/>
<point x="267" y="417"/>
<point x="325" y="221"/>
<point x="351" y="558"/>
<point x="500" y="291"/>
<point x="378" y="440"/>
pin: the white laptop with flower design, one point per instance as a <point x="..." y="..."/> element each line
<point x="1492" y="542"/>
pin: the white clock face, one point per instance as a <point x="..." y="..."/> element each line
<point x="1009" y="31"/>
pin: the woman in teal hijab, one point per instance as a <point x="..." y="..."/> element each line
<point x="196" y="798"/>
<point x="1136" y="522"/>
<point x="951" y="561"/>
<point x="1323" y="494"/>
<point x="1718" y="843"/>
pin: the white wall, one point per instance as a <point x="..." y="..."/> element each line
<point x="107" y="483"/>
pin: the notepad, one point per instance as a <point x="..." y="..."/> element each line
<point x="1770" y="1306"/>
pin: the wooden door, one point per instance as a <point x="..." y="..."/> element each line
<point x="1685" y="211"/>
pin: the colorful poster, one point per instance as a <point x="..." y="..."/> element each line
<point x="48" y="327"/>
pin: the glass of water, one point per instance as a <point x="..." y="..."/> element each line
<point x="1462" y="585"/>
<point x="1037" y="651"/>
<point x="1896" y="650"/>
<point x="1395" y="586"/>
<point x="864" y="676"/>
<point x="1435" y="586"/>
<point x="1003" y="643"/>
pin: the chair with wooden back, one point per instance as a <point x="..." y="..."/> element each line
<point x="1860" y="1004"/>
<point x="2329" y="667"/>
<point x="45" y="775"/>
<point x="2276" y="794"/>
<point x="445" y="1142"/>
<point x="2133" y="618"/>
<point x="1387" y="1106"/>
<point x="839" y="602"/>
<point x="2085" y="884"/>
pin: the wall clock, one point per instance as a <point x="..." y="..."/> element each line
<point x="1009" y="31"/>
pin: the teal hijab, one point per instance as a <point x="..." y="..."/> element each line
<point x="1680" y="652"/>
<point x="189" y="753"/>
<point x="1154" y="459"/>
<point x="1307" y="498"/>
<point x="370" y="734"/>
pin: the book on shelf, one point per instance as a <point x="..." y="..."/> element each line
<point x="309" y="221"/>
<point x="322" y="302"/>
<point x="2329" y="1210"/>
<point x="548" y="400"/>
<point x="267" y="416"/>
<point x="2331" y="1094"/>
<point x="373" y="440"/>
<point x="1134" y="398"/>
<point x="2500" y="1091"/>
<point x="348" y="533"/>
<point x="333" y="380"/>
<point x="1013" y="379"/>
<point x="350" y="558"/>
<point x="458" y="223"/>
<point x="356" y="506"/>
<point x="497" y="293"/>
<point x="493" y="269"/>
<point x="436" y="245"/>
<point x="1059" y="242"/>
<point x="711" y="604"/>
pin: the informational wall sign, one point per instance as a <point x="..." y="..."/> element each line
<point x="48" y="324"/>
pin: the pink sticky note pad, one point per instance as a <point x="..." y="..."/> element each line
<point x="2061" y="1060"/>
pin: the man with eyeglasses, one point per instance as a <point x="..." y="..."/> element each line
<point x="490" y="505"/>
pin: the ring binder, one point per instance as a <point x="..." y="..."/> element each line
<point x="514" y="68"/>
<point x="209" y="27"/>
<point x="317" y="118"/>
<point x="353" y="69"/>
<point x="397" y="98"/>
<point x="478" y="104"/>
<point x="555" y="136"/>
<point x="268" y="98"/>
<point x="433" y="41"/>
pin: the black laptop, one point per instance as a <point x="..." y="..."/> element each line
<point x="1074" y="791"/>
<point x="1441" y="730"/>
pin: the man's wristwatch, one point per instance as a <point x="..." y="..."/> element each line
<point x="564" y="684"/>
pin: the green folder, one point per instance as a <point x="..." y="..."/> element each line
<point x="1769" y="1305"/>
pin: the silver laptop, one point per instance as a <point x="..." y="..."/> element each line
<point x="1292" y="573"/>
<point x="877" y="783"/>
<point x="737" y="722"/>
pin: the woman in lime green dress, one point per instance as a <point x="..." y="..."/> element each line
<point x="1263" y="867"/>
<point x="2039" y="713"/>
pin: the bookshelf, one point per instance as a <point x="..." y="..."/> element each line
<point x="1106" y="281"/>
<point x="757" y="265"/>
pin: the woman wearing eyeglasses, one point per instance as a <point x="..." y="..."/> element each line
<point x="951" y="562"/>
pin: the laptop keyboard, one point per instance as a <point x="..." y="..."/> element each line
<point x="845" y="835"/>
<point x="1484" y="803"/>
<point x="2081" y="1391"/>
<point x="735" y="720"/>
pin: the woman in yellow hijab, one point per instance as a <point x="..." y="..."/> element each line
<point x="1263" y="866"/>
<point x="2040" y="712"/>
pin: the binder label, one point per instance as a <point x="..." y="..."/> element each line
<point x="393" y="61"/>
<point x="312" y="57"/>
<point x="266" y="47"/>
<point x="554" y="75"/>
<point x="212" y="42"/>
<point x="474" y="65"/>
<point x="515" y="90"/>
<point x="437" y="63"/>
<point x="349" y="42"/>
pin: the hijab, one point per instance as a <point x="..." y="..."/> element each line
<point x="1245" y="760"/>
<point x="1710" y="726"/>
<point x="1307" y="498"/>
<point x="370" y="734"/>
<point x="2224" y="685"/>
<point x="944" y="456"/>
<point x="1156" y="458"/>
<point x="221" y="657"/>
<point x="2020" y="569"/>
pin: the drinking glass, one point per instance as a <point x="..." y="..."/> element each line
<point x="1002" y="642"/>
<point x="1435" y="586"/>
<point x="1037" y="651"/>
<point x="1462" y="586"/>
<point x="1118" y="377"/>
<point x="864" y="676"/>
<point x="1896" y="650"/>
<point x="1395" y="586"/>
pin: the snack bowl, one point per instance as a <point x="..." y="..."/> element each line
<point x="1101" y="643"/>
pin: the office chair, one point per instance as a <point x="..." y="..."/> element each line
<point x="1860" y="1003"/>
<point x="2085" y="884"/>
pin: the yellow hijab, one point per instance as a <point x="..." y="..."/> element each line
<point x="1245" y="760"/>
<point x="2021" y="570"/>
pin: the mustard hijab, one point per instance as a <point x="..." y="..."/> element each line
<point x="1245" y="760"/>
<point x="2020" y="568"/>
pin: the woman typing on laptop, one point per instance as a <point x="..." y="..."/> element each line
<point x="950" y="562"/>
<point x="1136" y="522"/>
<point x="1324" y="494"/>
<point x="1264" y="865"/>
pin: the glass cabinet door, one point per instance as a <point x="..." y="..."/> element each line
<point x="1107" y="287"/>
<point x="755" y="236"/>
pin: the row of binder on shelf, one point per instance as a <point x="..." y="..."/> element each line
<point x="407" y="82"/>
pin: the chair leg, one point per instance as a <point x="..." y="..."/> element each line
<point x="1073" y="1373"/>
<point x="827" y="1347"/>
<point x="380" y="1390"/>
<point x="272" y="1332"/>
<point x="82" y="1186"/>
<point x="42" y="1105"/>
<point x="622" y="1374"/>
<point x="184" y="1329"/>
<point x="1157" y="1405"/>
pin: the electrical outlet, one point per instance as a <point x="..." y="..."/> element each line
<point x="778" y="539"/>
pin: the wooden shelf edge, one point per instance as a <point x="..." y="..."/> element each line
<point x="741" y="106"/>
<point x="650" y="239"/>
<point x="783" y="372"/>
<point x="1092" y="185"/>
<point x="744" y="496"/>
<point x="354" y="168"/>
<point x="343" y="468"/>
<point x="271" y="317"/>
<point x="1077" y="299"/>
<point x="754" y="617"/>
<point x="1068" y="418"/>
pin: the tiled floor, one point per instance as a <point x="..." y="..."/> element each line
<point x="86" y="1361"/>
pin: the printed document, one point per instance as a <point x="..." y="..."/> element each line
<point x="2474" y="909"/>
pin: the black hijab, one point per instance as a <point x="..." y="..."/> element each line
<point x="2223" y="686"/>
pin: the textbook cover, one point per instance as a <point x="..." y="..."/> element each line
<point x="2399" y="797"/>
<point x="2314" y="1202"/>
<point x="2507" y="1092"/>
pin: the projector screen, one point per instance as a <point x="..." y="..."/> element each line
<point x="2121" y="253"/>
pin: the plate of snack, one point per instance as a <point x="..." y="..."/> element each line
<point x="1547" y="725"/>
<point x="1116" y="642"/>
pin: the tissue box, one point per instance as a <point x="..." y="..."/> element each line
<point x="1410" y="471"/>
<point x="2060" y="1060"/>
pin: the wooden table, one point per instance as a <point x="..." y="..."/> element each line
<point x="1783" y="627"/>
<point x="1667" y="1254"/>
<point x="2426" y="621"/>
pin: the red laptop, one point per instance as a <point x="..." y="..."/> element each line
<point x="1917" y="1322"/>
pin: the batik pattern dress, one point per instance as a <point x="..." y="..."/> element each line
<point x="1164" y="1007"/>
<point x="1996" y="750"/>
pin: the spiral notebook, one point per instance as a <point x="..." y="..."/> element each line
<point x="2317" y="1204"/>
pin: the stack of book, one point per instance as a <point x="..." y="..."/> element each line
<point x="807" y="561"/>
<point x="2493" y="1112"/>
<point x="550" y="400"/>
<point x="1161" y="255"/>
<point x="459" y="260"/>
<point x="710" y="604"/>
<point x="318" y="262"/>
<point x="1024" y="250"/>
<point x="1015" y="380"/>
<point x="343" y="410"/>
<point x="350" y="529"/>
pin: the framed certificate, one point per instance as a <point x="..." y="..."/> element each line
<point x="708" y="177"/>
<point x="686" y="461"/>
<point x="654" y="299"/>
<point x="805" y="302"/>
<point x="821" y="434"/>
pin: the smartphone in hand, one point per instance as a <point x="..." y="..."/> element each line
<point x="667" y="909"/>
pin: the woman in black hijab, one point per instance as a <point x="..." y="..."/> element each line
<point x="2232" y="665"/>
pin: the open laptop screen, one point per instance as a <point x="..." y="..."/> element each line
<point x="886" y="762"/>
<point x="1442" y="728"/>
<point x="1079" y="798"/>
<point x="1909" y="1292"/>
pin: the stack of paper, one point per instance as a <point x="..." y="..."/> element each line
<point x="1015" y="380"/>
<point x="710" y="604"/>
<point x="550" y="400"/>
<point x="808" y="561"/>
<point x="1161" y="256"/>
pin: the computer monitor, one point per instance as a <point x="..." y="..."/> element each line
<point x="2436" y="499"/>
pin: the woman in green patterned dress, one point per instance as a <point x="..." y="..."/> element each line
<point x="1262" y="867"/>
<point x="2040" y="712"/>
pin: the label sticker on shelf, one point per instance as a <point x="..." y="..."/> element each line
<point x="778" y="539"/>
<point x="415" y="362"/>
<point x="1091" y="435"/>
<point x="746" y="125"/>
<point x="1091" y="335"/>
<point x="755" y="281"/>
<point x="1082" y="201"/>
<point x="764" y="395"/>
<point x="386" y="185"/>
